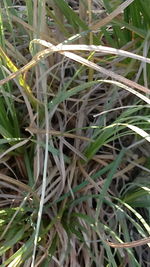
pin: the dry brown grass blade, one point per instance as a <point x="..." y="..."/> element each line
<point x="56" y="133"/>
<point x="14" y="53"/>
<point x="28" y="66"/>
<point x="133" y="244"/>
<point x="111" y="16"/>
<point x="74" y="150"/>
<point x="98" y="48"/>
<point x="129" y="167"/>
<point x="19" y="184"/>
<point x="19" y="144"/>
<point x="86" y="175"/>
<point x="59" y="48"/>
<point x="106" y="72"/>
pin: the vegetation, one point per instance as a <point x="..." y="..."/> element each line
<point x="74" y="133"/>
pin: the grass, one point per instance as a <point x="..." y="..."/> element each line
<point x="74" y="133"/>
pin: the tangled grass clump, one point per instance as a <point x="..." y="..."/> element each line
<point x="74" y="127"/>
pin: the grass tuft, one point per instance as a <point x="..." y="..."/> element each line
<point x="74" y="133"/>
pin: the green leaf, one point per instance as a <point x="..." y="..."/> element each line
<point x="8" y="244"/>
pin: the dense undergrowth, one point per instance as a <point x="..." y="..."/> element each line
<point x="74" y="133"/>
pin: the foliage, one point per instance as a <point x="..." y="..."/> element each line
<point x="74" y="129"/>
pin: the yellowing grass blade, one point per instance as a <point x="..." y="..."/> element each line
<point x="20" y="78"/>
